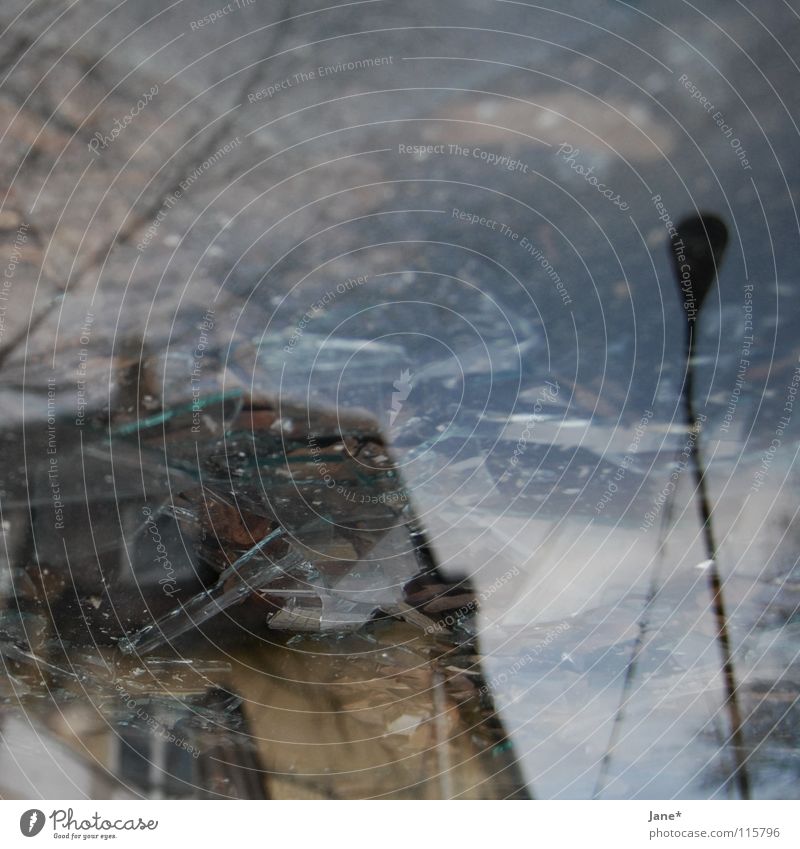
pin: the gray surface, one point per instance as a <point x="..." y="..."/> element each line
<point x="317" y="192"/>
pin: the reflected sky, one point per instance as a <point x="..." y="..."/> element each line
<point x="344" y="442"/>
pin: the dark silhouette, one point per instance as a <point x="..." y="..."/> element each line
<point x="698" y="244"/>
<point x="697" y="250"/>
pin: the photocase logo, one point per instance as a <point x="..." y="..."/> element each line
<point x="403" y="388"/>
<point x="31" y="822"/>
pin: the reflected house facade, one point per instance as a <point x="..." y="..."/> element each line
<point x="238" y="626"/>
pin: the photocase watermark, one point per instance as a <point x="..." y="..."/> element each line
<point x="218" y="14"/>
<point x="719" y="119"/>
<point x="497" y="160"/>
<point x="547" y="396"/>
<point x="570" y="155"/>
<point x="159" y="728"/>
<point x="679" y="249"/>
<point x="784" y="421"/>
<point x="483" y="221"/>
<point x="318" y="73"/>
<point x="162" y="556"/>
<point x="161" y="216"/>
<point x="64" y="819"/>
<point x="80" y="375"/>
<point x="32" y="822"/>
<point x="67" y="826"/>
<point x="455" y="616"/>
<point x="328" y="477"/>
<point x="744" y="359"/>
<point x="53" y="478"/>
<point x="627" y="462"/>
<point x="524" y="243"/>
<point x="318" y="306"/>
<point x="185" y="184"/>
<point x="209" y="162"/>
<point x="402" y="389"/>
<point x="206" y="326"/>
<point x="7" y="282"/>
<point x="504" y="677"/>
<point x="664" y="216"/>
<point x="669" y="487"/>
<point x="102" y="141"/>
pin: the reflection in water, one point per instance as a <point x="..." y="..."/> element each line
<point x="232" y="596"/>
<point x="697" y="246"/>
<point x="351" y="438"/>
<point x="248" y="563"/>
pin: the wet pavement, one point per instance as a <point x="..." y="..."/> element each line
<point x="345" y="448"/>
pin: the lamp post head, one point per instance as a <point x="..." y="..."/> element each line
<point x="697" y="245"/>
